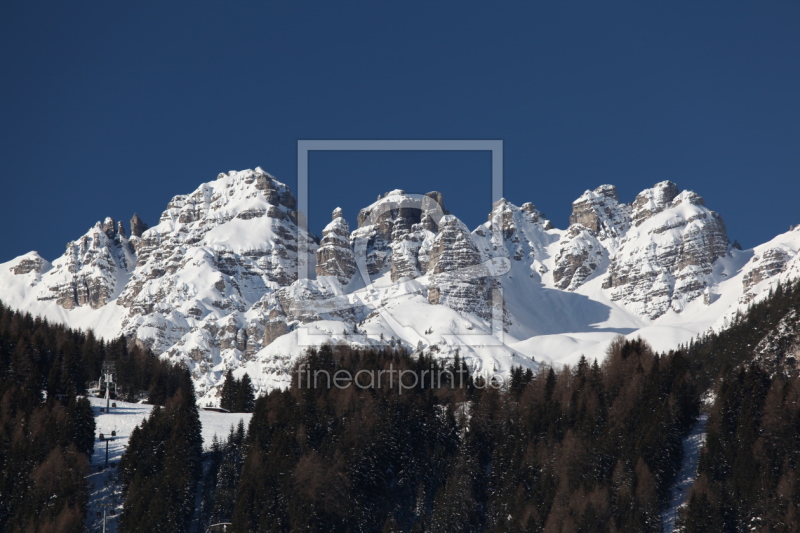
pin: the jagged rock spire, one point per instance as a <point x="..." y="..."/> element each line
<point x="109" y="227"/>
<point x="334" y="256"/>
<point x="137" y="226"/>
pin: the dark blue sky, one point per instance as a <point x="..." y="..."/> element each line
<point x="110" y="109"/>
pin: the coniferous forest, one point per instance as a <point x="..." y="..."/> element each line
<point x="591" y="448"/>
<point x="46" y="432"/>
<point x="594" y="447"/>
<point x="162" y="465"/>
<point x="748" y="477"/>
<point x="237" y="395"/>
<point x="47" y="429"/>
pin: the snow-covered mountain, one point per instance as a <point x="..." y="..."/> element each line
<point x="216" y="282"/>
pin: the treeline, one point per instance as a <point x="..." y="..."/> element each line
<point x="589" y="448"/>
<point x="717" y="355"/>
<point x="140" y="375"/>
<point x="162" y="465"/>
<point x="222" y="478"/>
<point x="748" y="470"/>
<point x="46" y="432"/>
<point x="748" y="474"/>
<point x="65" y="362"/>
<point x="237" y="395"/>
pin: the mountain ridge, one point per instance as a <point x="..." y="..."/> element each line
<point x="215" y="283"/>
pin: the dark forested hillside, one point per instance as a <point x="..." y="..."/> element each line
<point x="594" y="447"/>
<point x="47" y="429"/>
<point x="748" y="478"/>
<point x="160" y="469"/>
<point x="749" y="473"/>
<point x="716" y="355"/>
<point x="591" y="448"/>
<point x="46" y="432"/>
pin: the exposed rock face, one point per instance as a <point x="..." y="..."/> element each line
<point x="402" y="226"/>
<point x="663" y="261"/>
<point x="650" y="202"/>
<point x="90" y="271"/>
<point x="238" y="232"/>
<point x="410" y="251"/>
<point x="598" y="222"/>
<point x="137" y="226"/>
<point x="32" y="262"/>
<point x="600" y="212"/>
<point x="453" y="251"/>
<point x="274" y="329"/>
<point x="770" y="263"/>
<point x="334" y="255"/>
<point x="578" y="256"/>
<point x="520" y="234"/>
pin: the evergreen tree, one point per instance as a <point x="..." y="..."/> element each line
<point x="162" y="465"/>
<point x="245" y="395"/>
<point x="229" y="392"/>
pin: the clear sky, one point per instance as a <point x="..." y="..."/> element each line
<point x="109" y="108"/>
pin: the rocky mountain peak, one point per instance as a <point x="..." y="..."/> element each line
<point x="597" y="224"/>
<point x="652" y="201"/>
<point x="109" y="227"/>
<point x="664" y="260"/>
<point x="600" y="212"/>
<point x="215" y="283"/>
<point x="398" y="229"/>
<point x="690" y="197"/>
<point x="93" y="269"/>
<point x="137" y="226"/>
<point x="396" y="207"/>
<point x="334" y="255"/>
<point x="452" y="252"/>
<point x="507" y="217"/>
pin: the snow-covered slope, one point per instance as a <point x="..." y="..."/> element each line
<point x="215" y="283"/>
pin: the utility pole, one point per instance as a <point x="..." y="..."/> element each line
<point x="106" y="438"/>
<point x="104" y="521"/>
<point x="109" y="371"/>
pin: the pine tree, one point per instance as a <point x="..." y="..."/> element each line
<point x="228" y="395"/>
<point x="245" y="395"/>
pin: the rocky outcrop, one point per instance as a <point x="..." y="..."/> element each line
<point x="410" y="251"/>
<point x="137" y="226"/>
<point x="452" y="284"/>
<point x="769" y="263"/>
<point x="597" y="224"/>
<point x="396" y="232"/>
<point x="600" y="212"/>
<point x="578" y="257"/>
<point x="334" y="255"/>
<point x="92" y="270"/>
<point x="31" y="262"/>
<point x="664" y="259"/>
<point x="650" y="202"/>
